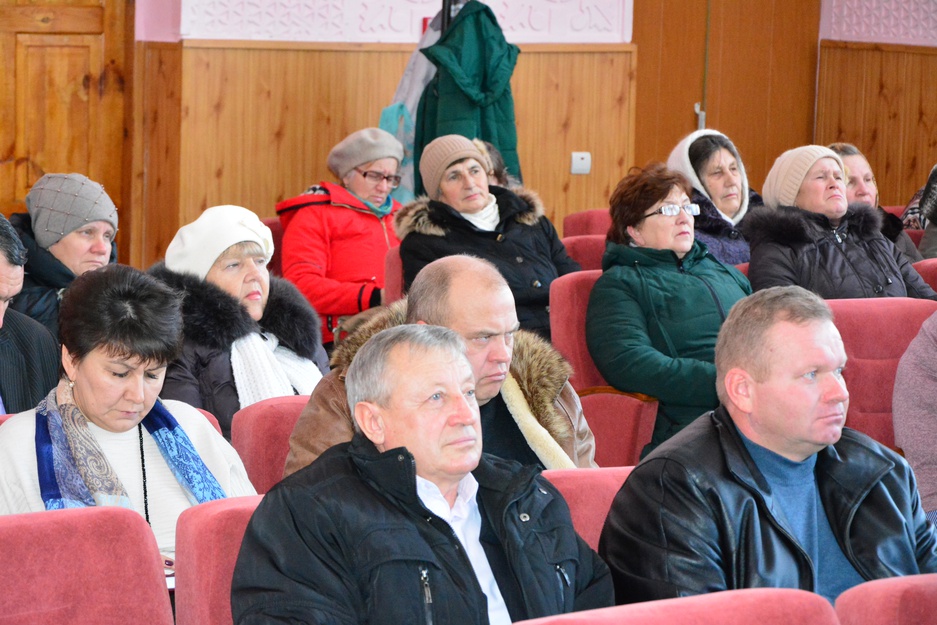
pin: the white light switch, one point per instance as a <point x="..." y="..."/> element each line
<point x="581" y="163"/>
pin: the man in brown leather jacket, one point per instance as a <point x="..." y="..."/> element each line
<point x="529" y="411"/>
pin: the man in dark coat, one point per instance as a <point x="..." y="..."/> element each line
<point x="410" y="522"/>
<point x="769" y="490"/>
<point x="28" y="352"/>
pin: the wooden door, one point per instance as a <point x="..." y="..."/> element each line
<point x="62" y="93"/>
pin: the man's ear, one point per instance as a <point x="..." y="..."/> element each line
<point x="370" y="420"/>
<point x="740" y="389"/>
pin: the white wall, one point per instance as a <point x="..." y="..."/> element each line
<point x="909" y="22"/>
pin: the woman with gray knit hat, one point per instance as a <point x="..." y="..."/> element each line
<point x="247" y="336"/>
<point x="337" y="235"/>
<point x="464" y="214"/>
<point x="810" y="237"/>
<point x="69" y="229"/>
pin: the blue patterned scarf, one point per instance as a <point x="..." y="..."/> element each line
<point x="74" y="473"/>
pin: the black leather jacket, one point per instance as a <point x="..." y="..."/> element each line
<point x="697" y="516"/>
<point x="347" y="540"/>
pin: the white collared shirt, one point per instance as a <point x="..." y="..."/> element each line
<point x="466" y="521"/>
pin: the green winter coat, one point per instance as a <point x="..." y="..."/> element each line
<point x="652" y="324"/>
<point x="470" y="95"/>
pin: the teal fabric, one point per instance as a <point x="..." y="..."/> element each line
<point x="396" y="120"/>
<point x="652" y="325"/>
<point x="471" y="92"/>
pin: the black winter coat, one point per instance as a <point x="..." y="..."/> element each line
<point x="46" y="277"/>
<point x="794" y="246"/>
<point x="696" y="516"/>
<point x="524" y="247"/>
<point x="347" y="540"/>
<point x="213" y="320"/>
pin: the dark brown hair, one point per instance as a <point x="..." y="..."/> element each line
<point x="637" y="192"/>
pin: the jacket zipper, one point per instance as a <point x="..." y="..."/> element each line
<point x="712" y="292"/>
<point x="427" y="596"/>
<point x="562" y="581"/>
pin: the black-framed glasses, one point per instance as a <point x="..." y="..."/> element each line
<point x="375" y="177"/>
<point x="672" y="210"/>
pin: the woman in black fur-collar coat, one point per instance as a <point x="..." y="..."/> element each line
<point x="237" y="349"/>
<point x="808" y="236"/>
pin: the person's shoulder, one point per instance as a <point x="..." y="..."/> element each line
<point x="24" y="325"/>
<point x="17" y="429"/>
<point x="195" y="424"/>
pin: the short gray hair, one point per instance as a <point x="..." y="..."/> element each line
<point x="367" y="378"/>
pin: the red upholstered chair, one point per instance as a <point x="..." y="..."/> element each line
<point x="743" y="267"/>
<point x="915" y="234"/>
<point x="211" y="419"/>
<point x="897" y="211"/>
<point x="928" y="270"/>
<point x="594" y="221"/>
<point x="208" y="538"/>
<point x="621" y="422"/>
<point x="4" y="417"/>
<point x="910" y="600"/>
<point x="586" y="249"/>
<point x="589" y="493"/>
<point x="276" y="229"/>
<point x="82" y="566"/>
<point x="764" y="606"/>
<point x="260" y="434"/>
<point x="393" y="276"/>
<point x="876" y="332"/>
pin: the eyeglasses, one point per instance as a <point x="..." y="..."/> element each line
<point x="375" y="177"/>
<point x="672" y="210"/>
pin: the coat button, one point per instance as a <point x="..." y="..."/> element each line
<point x="525" y="517"/>
<point x="733" y="234"/>
<point x="536" y="284"/>
<point x="519" y="259"/>
<point x="878" y="288"/>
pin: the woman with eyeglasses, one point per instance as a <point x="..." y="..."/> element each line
<point x="465" y="214"/>
<point x="655" y="312"/>
<point x="809" y="235"/>
<point x="336" y="235"/>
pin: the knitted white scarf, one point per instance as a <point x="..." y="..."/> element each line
<point x="487" y="218"/>
<point x="263" y="369"/>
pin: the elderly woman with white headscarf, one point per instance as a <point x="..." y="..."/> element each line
<point x="247" y="336"/>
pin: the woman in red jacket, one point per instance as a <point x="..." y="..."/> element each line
<point x="336" y="236"/>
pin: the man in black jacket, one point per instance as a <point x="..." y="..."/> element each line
<point x="769" y="490"/>
<point x="410" y="522"/>
<point x="29" y="356"/>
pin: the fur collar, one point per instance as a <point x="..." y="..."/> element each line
<point x="539" y="370"/>
<point x="789" y="225"/>
<point x="214" y="319"/>
<point x="433" y="218"/>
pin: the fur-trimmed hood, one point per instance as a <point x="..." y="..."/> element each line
<point x="539" y="370"/>
<point x="435" y="218"/>
<point x="789" y="225"/>
<point x="214" y="319"/>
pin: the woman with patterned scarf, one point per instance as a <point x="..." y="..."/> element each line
<point x="103" y="437"/>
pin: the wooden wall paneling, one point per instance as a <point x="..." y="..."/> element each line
<point x="8" y="197"/>
<point x="574" y="98"/>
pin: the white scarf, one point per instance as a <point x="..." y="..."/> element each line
<point x="263" y="369"/>
<point x="487" y="218"/>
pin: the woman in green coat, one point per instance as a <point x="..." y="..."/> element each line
<point x="655" y="312"/>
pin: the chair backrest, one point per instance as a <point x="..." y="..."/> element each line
<point x="593" y="221"/>
<point x="876" y="332"/>
<point x="276" y="229"/>
<point x="393" y="276"/>
<point x="260" y="433"/>
<point x="743" y="267"/>
<point x="586" y="249"/>
<point x="4" y="417"/>
<point x="569" y="300"/>
<point x="897" y="211"/>
<point x="910" y="600"/>
<point x="208" y="538"/>
<point x="764" y="606"/>
<point x="928" y="270"/>
<point x="97" y="565"/>
<point x="589" y="494"/>
<point x="915" y="234"/>
<point x="211" y="419"/>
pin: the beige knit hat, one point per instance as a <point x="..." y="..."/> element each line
<point x="364" y="146"/>
<point x="788" y="172"/>
<point x="440" y="154"/>
<point x="61" y="203"/>
<point x="197" y="245"/>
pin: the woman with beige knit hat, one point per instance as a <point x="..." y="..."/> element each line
<point x="336" y="235"/>
<point x="69" y="229"/>
<point x="808" y="235"/>
<point x="464" y="214"/>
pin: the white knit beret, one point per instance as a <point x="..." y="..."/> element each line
<point x="788" y="173"/>
<point x="197" y="245"/>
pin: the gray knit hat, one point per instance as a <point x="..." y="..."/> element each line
<point x="788" y="173"/>
<point x="361" y="147"/>
<point x="440" y="154"/>
<point x="61" y="203"/>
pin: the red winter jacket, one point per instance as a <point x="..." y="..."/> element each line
<point x="333" y="250"/>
